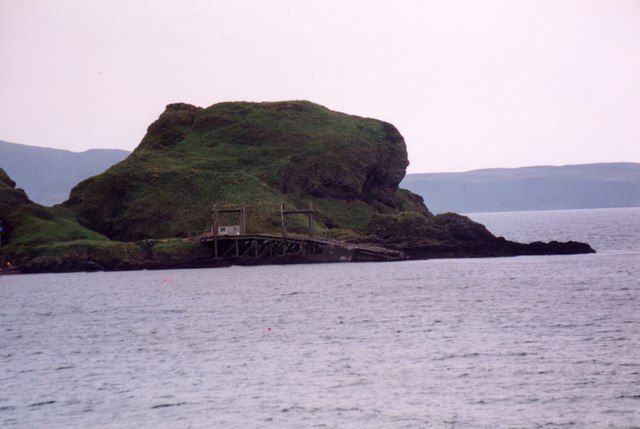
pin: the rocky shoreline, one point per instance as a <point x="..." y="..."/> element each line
<point x="501" y="248"/>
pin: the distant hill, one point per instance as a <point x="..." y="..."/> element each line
<point x="530" y="188"/>
<point x="47" y="175"/>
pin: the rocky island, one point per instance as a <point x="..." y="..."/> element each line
<point x="141" y="212"/>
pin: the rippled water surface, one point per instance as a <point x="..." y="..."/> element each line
<point x="509" y="342"/>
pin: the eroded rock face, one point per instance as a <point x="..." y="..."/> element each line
<point x="451" y="235"/>
<point x="172" y="125"/>
<point x="351" y="170"/>
<point x="6" y="180"/>
<point x="11" y="198"/>
<point x="11" y="201"/>
<point x="411" y="229"/>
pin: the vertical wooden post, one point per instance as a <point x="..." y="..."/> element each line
<point x="214" y="231"/>
<point x="284" y="221"/>
<point x="243" y="220"/>
<point x="216" y="219"/>
<point x="310" y="217"/>
<point x="284" y="229"/>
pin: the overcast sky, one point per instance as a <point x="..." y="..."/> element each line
<point x="470" y="84"/>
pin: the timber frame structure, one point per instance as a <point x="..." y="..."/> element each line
<point x="285" y="213"/>
<point x="257" y="248"/>
<point x="242" y="218"/>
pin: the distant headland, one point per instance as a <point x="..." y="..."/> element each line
<point x="47" y="175"/>
<point x="582" y="186"/>
<point x="154" y="208"/>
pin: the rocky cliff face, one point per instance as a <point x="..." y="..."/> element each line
<point x="11" y="199"/>
<point x="6" y="180"/>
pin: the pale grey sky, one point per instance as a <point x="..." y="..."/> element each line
<point x="470" y="84"/>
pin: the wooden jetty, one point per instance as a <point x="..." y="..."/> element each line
<point x="256" y="248"/>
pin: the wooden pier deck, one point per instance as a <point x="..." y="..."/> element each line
<point x="258" y="248"/>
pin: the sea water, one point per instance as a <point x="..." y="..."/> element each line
<point x="526" y="342"/>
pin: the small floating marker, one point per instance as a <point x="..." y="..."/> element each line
<point x="269" y="329"/>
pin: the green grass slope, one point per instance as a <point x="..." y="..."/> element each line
<point x="38" y="238"/>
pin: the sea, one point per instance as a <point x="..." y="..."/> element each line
<point x="520" y="342"/>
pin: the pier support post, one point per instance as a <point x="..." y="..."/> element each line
<point x="243" y="220"/>
<point x="284" y="229"/>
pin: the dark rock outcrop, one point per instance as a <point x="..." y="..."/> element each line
<point x="172" y="125"/>
<point x="11" y="200"/>
<point x="451" y="235"/>
<point x="6" y="180"/>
